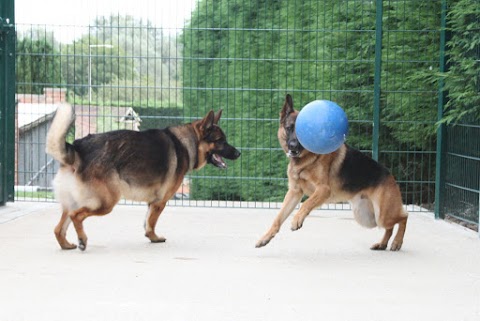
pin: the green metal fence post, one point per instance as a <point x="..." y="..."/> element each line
<point x="441" y="131"/>
<point x="7" y="100"/>
<point x="377" y="80"/>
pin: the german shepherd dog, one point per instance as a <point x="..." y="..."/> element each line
<point x="149" y="166"/>
<point x="343" y="175"/>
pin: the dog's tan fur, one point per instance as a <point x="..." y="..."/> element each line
<point x="319" y="177"/>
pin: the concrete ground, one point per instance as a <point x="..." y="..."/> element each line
<point x="209" y="268"/>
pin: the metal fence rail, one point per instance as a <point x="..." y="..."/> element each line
<point x="7" y="110"/>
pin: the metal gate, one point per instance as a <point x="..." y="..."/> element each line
<point x="7" y="100"/>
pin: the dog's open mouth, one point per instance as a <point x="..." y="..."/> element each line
<point x="217" y="161"/>
<point x="293" y="153"/>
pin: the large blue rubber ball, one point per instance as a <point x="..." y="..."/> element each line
<point x="321" y="126"/>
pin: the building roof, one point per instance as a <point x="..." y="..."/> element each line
<point x="33" y="109"/>
<point x="28" y="113"/>
<point x="33" y="113"/>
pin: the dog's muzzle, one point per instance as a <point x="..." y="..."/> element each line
<point x="216" y="157"/>
<point x="294" y="148"/>
<point x="293" y="153"/>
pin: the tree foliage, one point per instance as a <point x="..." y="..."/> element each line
<point x="131" y="61"/>
<point x="106" y="65"/>
<point x="143" y="60"/>
<point x="462" y="80"/>
<point x="245" y="56"/>
<point x="37" y="63"/>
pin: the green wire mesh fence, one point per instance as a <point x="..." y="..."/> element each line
<point x="461" y="198"/>
<point x="124" y="67"/>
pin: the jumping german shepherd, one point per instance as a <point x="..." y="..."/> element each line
<point x="343" y="175"/>
<point x="97" y="170"/>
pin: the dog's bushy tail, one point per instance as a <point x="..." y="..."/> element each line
<point x="57" y="147"/>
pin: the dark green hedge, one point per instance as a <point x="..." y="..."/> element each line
<point x="244" y="56"/>
<point x="160" y="117"/>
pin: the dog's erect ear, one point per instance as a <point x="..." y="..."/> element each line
<point x="207" y="121"/>
<point x="217" y="116"/>
<point x="287" y="108"/>
<point x="289" y="101"/>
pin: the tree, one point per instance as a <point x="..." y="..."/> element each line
<point x="37" y="65"/>
<point x="245" y="56"/>
<point x="462" y="80"/>
<point x="236" y="71"/>
<point x="107" y="64"/>
<point x="148" y="51"/>
<point x="352" y="69"/>
<point x="407" y="101"/>
<point x="131" y="61"/>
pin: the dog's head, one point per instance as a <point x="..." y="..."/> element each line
<point x="213" y="144"/>
<point x="286" y="132"/>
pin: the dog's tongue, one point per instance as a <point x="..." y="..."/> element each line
<point x="219" y="161"/>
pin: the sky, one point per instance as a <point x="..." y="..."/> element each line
<point x="69" y="13"/>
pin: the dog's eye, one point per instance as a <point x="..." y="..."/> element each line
<point x="289" y="128"/>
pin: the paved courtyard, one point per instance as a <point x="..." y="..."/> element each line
<point x="209" y="268"/>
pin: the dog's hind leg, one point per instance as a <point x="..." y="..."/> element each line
<point x="61" y="231"/>
<point x="398" y="240"/>
<point x="80" y="215"/>
<point x="154" y="211"/>
<point x="292" y="198"/>
<point x="77" y="218"/>
<point x="389" y="211"/>
<point x="382" y="245"/>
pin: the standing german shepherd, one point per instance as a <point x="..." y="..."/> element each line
<point x="97" y="170"/>
<point x="344" y="175"/>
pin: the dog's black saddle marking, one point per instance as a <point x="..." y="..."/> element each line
<point x="359" y="171"/>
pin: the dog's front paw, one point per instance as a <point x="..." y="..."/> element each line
<point x="396" y="246"/>
<point x="378" y="247"/>
<point x="262" y="242"/>
<point x="297" y="223"/>
<point x="158" y="239"/>
<point x="68" y="246"/>
<point x="65" y="245"/>
<point x="154" y="238"/>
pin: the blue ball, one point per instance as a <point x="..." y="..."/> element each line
<point x="321" y="126"/>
